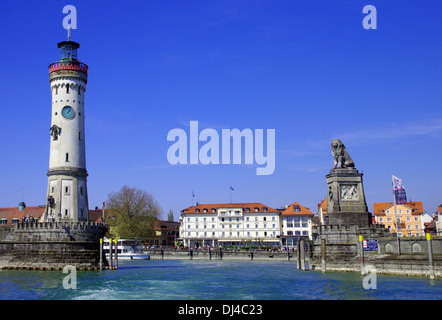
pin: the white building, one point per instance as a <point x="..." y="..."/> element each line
<point x="296" y="223"/>
<point x="230" y="224"/>
<point x="67" y="191"/>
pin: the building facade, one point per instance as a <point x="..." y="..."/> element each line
<point x="67" y="198"/>
<point x="408" y="216"/>
<point x="296" y="223"/>
<point x="241" y="224"/>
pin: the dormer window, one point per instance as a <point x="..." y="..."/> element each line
<point x="197" y="210"/>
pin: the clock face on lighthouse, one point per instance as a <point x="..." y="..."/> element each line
<point x="68" y="112"/>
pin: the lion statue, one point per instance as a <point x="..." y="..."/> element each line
<point x="340" y="155"/>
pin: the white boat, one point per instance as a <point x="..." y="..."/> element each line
<point x="126" y="249"/>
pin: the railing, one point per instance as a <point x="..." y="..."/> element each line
<point x="68" y="65"/>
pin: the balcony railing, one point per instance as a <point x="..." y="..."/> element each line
<point x="68" y="65"/>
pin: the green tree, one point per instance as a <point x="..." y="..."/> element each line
<point x="170" y="215"/>
<point x="135" y="212"/>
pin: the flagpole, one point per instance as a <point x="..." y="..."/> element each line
<point x="395" y="217"/>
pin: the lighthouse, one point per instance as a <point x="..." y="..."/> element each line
<point x="67" y="175"/>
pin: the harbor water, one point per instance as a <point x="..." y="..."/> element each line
<point x="211" y="280"/>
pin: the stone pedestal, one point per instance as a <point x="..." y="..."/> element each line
<point x="346" y="199"/>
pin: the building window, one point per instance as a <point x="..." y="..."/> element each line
<point x="66" y="190"/>
<point x="67" y="88"/>
<point x="56" y="90"/>
<point x="81" y="191"/>
<point x="79" y="91"/>
<point x="66" y="212"/>
<point x="67" y="157"/>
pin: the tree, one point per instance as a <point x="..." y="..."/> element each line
<point x="135" y="212"/>
<point x="170" y="215"/>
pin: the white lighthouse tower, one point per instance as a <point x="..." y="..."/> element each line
<point x="67" y="176"/>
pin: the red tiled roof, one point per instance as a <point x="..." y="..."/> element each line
<point x="167" y="225"/>
<point x="15" y="213"/>
<point x="37" y="212"/>
<point x="323" y="206"/>
<point x="415" y="206"/>
<point x="290" y="211"/>
<point x="243" y="206"/>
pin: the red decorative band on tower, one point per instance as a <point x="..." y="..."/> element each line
<point x="68" y="65"/>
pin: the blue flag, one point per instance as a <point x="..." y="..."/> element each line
<point x="231" y="188"/>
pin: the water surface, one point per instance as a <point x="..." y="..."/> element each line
<point x="211" y="280"/>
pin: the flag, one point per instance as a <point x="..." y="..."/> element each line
<point x="193" y="194"/>
<point x="399" y="191"/>
<point x="231" y="188"/>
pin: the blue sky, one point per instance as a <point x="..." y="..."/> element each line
<point x="307" y="69"/>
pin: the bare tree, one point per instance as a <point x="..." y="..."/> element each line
<point x="135" y="212"/>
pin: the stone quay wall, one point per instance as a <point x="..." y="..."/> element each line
<point x="51" y="245"/>
<point x="343" y="251"/>
<point x="221" y="255"/>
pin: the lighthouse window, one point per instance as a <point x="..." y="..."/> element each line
<point x="66" y="190"/>
<point x="56" y="90"/>
<point x="67" y="88"/>
<point x="67" y="157"/>
<point x="66" y="211"/>
<point x="81" y="190"/>
<point x="79" y="91"/>
<point x="79" y="135"/>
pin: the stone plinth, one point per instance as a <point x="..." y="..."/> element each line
<point x="346" y="199"/>
<point x="52" y="245"/>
